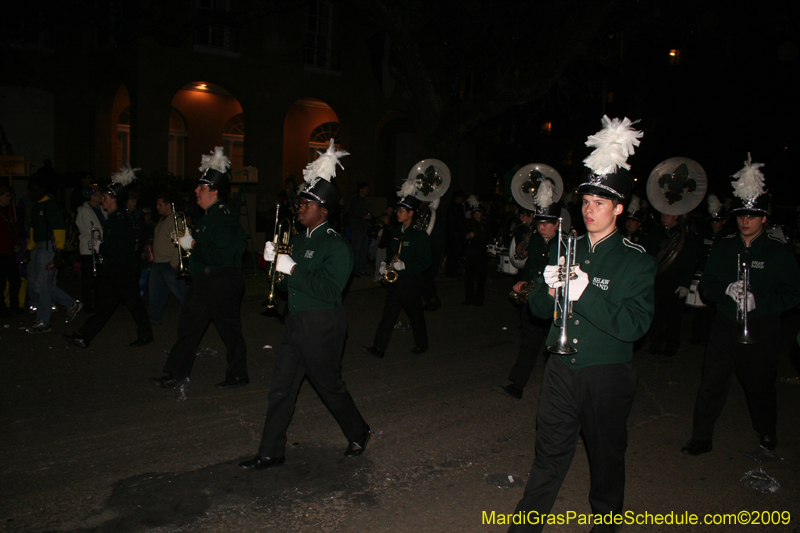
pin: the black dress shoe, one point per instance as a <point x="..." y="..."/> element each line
<point x="260" y="463"/>
<point x="233" y="383"/>
<point x="371" y="350"/>
<point x="77" y="340"/>
<point x="697" y="447"/>
<point x="143" y="341"/>
<point x="512" y="390"/>
<point x="167" y="382"/>
<point x="419" y="349"/>
<point x="768" y="442"/>
<point x="354" y="449"/>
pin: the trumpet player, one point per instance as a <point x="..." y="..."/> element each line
<point x="533" y="330"/>
<point x="217" y="246"/>
<point x="611" y="291"/>
<point x="411" y="255"/>
<point x="774" y="287"/>
<point x="164" y="276"/>
<point x="312" y="342"/>
<point x="90" y="215"/>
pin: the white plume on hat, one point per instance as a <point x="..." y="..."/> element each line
<point x="714" y="205"/>
<point x="472" y="201"/>
<point x="216" y="161"/>
<point x="125" y="176"/>
<point x="545" y="194"/>
<point x="324" y="166"/>
<point x="749" y="181"/>
<point x="636" y="205"/>
<point x="613" y="144"/>
<point x="409" y="188"/>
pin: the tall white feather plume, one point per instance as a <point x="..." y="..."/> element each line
<point x="472" y="201"/>
<point x="217" y="161"/>
<point x="714" y="205"/>
<point x="544" y="196"/>
<point x="636" y="205"/>
<point x="324" y="166"/>
<point x="125" y="176"/>
<point x="409" y="188"/>
<point x="749" y="182"/>
<point x="613" y="144"/>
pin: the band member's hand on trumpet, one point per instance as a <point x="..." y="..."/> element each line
<point x="736" y="291"/>
<point x="554" y="276"/>
<point x="284" y="263"/>
<point x="187" y="241"/>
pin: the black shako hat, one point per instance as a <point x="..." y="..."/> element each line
<point x="409" y="202"/>
<point x="323" y="192"/>
<point x="121" y="181"/>
<point x="609" y="175"/>
<point x="215" y="170"/>
<point x="318" y="175"/>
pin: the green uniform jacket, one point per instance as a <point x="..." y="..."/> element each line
<point x="774" y="275"/>
<point x="416" y="254"/>
<point x="219" y="241"/>
<point x="538" y="256"/>
<point x="616" y="308"/>
<point x="119" y="239"/>
<point x="324" y="264"/>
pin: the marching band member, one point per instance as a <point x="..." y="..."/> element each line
<point x="591" y="392"/>
<point x="312" y="342"/>
<point x="411" y="255"/>
<point x="119" y="280"/>
<point x="774" y="287"/>
<point x="215" y="264"/>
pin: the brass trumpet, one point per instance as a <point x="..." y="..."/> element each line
<point x="521" y="297"/>
<point x="281" y="245"/>
<point x="562" y="308"/>
<point x="391" y="275"/>
<point x="97" y="259"/>
<point x="179" y="222"/>
<point x="741" y="310"/>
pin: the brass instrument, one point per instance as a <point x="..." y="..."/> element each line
<point x="281" y="245"/>
<point x="522" y="247"/>
<point x="741" y="310"/>
<point x="521" y="297"/>
<point x="562" y="308"/>
<point x="391" y="275"/>
<point x="179" y="222"/>
<point x="97" y="259"/>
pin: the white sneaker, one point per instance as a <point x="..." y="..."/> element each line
<point x="39" y="327"/>
<point x="74" y="310"/>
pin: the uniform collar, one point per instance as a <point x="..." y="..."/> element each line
<point x="310" y="232"/>
<point x="608" y="238"/>
<point x="756" y="240"/>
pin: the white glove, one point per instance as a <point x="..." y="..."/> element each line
<point x="682" y="292"/>
<point x="382" y="269"/>
<point x="577" y="285"/>
<point x="554" y="274"/>
<point x="187" y="241"/>
<point x="96" y="246"/>
<point x="751" y="302"/>
<point x="285" y="264"/>
<point x="399" y="265"/>
<point x="269" y="252"/>
<point x="735" y="290"/>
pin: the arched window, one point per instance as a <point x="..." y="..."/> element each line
<point x="177" y="143"/>
<point x="233" y="140"/>
<point x="320" y="138"/>
<point x="124" y="138"/>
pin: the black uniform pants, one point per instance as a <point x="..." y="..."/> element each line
<point x="9" y="272"/>
<point x="89" y="282"/>
<point x="475" y="272"/>
<point x="595" y="401"/>
<point x="756" y="366"/>
<point x="311" y="347"/>
<point x="665" y="331"/>
<point x="533" y="333"/>
<point x="404" y="295"/>
<point x="118" y="283"/>
<point x="214" y="296"/>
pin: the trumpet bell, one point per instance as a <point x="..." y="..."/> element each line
<point x="746" y="338"/>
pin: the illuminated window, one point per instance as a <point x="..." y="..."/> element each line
<point x="674" y="57"/>
<point x="233" y="140"/>
<point x="124" y="138"/>
<point x="547" y="128"/>
<point x="321" y="137"/>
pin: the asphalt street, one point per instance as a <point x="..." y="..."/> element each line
<point x="88" y="444"/>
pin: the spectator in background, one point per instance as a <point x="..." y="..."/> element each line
<point x="359" y="223"/>
<point x="164" y="275"/>
<point x="10" y="245"/>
